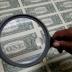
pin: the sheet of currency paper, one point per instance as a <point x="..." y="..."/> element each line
<point x="56" y="15"/>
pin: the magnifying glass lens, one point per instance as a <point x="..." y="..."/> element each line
<point x="22" y="40"/>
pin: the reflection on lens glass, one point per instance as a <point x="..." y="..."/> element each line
<point x="22" y="41"/>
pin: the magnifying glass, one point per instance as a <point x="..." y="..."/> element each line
<point x="20" y="45"/>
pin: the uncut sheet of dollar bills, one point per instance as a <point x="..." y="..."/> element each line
<point x="56" y="15"/>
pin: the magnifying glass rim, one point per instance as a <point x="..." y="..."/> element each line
<point x="47" y="38"/>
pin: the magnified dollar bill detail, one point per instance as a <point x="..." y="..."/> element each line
<point x="19" y="42"/>
<point x="17" y="27"/>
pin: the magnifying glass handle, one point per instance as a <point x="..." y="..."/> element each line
<point x="60" y="50"/>
<point x="51" y="45"/>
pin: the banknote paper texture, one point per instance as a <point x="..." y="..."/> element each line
<point x="51" y="20"/>
<point x="55" y="14"/>
<point x="8" y="14"/>
<point x="32" y="2"/>
<point x="1" y="66"/>
<point x="40" y="10"/>
<point x="7" y="4"/>
<point x="64" y="65"/>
